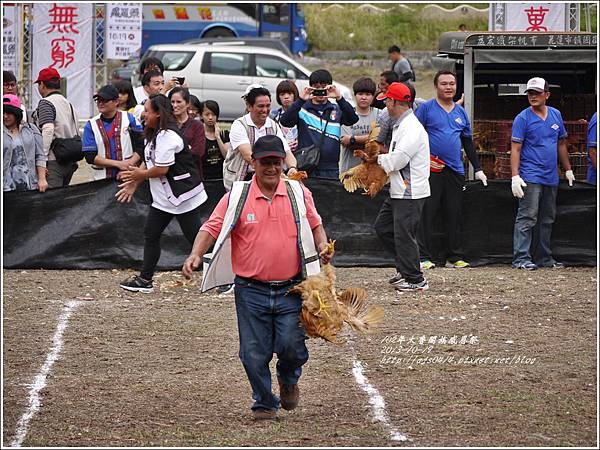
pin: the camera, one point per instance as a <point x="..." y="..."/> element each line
<point x="319" y="92"/>
<point x="180" y="80"/>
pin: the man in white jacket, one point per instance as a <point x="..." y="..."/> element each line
<point x="407" y="165"/>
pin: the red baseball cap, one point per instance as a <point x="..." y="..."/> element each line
<point x="47" y="74"/>
<point x="396" y="91"/>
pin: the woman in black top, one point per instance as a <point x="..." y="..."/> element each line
<point x="217" y="142"/>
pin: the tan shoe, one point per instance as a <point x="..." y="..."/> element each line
<point x="264" y="414"/>
<point x="289" y="395"/>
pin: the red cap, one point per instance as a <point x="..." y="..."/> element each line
<point x="47" y="74"/>
<point x="396" y="91"/>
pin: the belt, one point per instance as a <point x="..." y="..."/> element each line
<point x="272" y="284"/>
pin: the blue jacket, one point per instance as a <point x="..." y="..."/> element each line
<point x="311" y="120"/>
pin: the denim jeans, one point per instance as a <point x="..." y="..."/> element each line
<point x="533" y="225"/>
<point x="269" y="322"/>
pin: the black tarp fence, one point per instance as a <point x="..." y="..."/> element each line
<point x="83" y="227"/>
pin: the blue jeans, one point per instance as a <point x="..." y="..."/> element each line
<point x="269" y="322"/>
<point x="533" y="225"/>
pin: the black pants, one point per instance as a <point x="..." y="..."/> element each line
<point x="446" y="197"/>
<point x="156" y="222"/>
<point x="59" y="175"/>
<point x="397" y="225"/>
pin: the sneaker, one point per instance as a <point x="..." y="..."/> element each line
<point x="460" y="264"/>
<point x="137" y="284"/>
<point x="554" y="265"/>
<point x="525" y="266"/>
<point x="408" y="287"/>
<point x="289" y="395"/>
<point x="264" y="414"/>
<point x="426" y="265"/>
<point x="396" y="278"/>
<point x="226" y="289"/>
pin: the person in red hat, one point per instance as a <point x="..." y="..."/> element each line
<point x="56" y="118"/>
<point x="407" y="165"/>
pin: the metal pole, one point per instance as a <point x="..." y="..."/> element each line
<point x="469" y="90"/>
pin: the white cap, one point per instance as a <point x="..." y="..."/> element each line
<point x="252" y="86"/>
<point x="537" y="84"/>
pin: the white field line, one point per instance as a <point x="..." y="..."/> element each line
<point x="376" y="401"/>
<point x="39" y="381"/>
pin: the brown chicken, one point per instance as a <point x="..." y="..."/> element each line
<point x="324" y="310"/>
<point x="298" y="176"/>
<point x="367" y="175"/>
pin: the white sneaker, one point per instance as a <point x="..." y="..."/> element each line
<point x="405" y="286"/>
<point x="396" y="278"/>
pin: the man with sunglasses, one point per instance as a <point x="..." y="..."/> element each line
<point x="113" y="138"/>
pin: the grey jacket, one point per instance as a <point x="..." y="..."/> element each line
<point x="19" y="163"/>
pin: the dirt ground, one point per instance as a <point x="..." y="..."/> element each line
<point x="162" y="369"/>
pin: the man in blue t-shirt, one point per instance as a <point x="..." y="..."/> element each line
<point x="592" y="145"/>
<point x="449" y="131"/>
<point x="538" y="140"/>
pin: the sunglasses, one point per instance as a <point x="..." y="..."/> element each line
<point x="103" y="100"/>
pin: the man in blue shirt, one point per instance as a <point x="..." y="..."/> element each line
<point x="112" y="140"/>
<point x="449" y="131"/>
<point x="319" y="121"/>
<point x="538" y="138"/>
<point x="592" y="145"/>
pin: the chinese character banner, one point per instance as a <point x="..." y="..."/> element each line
<point x="10" y="58"/>
<point x="535" y="17"/>
<point x="62" y="39"/>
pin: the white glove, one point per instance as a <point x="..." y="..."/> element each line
<point x="479" y="175"/>
<point x="570" y="177"/>
<point x="517" y="184"/>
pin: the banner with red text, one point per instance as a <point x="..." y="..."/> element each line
<point x="63" y="39"/>
<point x="535" y="17"/>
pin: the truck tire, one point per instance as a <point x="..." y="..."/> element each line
<point x="218" y="32"/>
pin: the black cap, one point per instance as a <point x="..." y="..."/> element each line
<point x="108" y="92"/>
<point x="269" y="145"/>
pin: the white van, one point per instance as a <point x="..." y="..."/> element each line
<point x="223" y="72"/>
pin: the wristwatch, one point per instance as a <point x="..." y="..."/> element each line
<point x="352" y="140"/>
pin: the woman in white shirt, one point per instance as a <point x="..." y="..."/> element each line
<point x="176" y="188"/>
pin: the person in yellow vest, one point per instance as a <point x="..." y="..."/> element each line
<point x="113" y="139"/>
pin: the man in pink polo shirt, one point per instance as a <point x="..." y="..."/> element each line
<point x="267" y="262"/>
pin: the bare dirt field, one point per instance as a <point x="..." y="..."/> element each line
<point x="487" y="357"/>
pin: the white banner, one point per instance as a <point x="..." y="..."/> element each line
<point x="123" y="30"/>
<point x="535" y="17"/>
<point x="63" y="36"/>
<point x="10" y="36"/>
